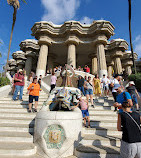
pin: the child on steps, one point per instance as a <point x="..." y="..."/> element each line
<point x="84" y="109"/>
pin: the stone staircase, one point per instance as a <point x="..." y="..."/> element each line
<point x="17" y="128"/>
<point x="103" y="139"/>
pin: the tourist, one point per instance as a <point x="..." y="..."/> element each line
<point x="115" y="84"/>
<point x="53" y="81"/>
<point x="79" y="68"/>
<point x="105" y="82"/>
<point x="87" y="69"/>
<point x="121" y="97"/>
<point x="19" y="85"/>
<point x="84" y="109"/>
<point x="80" y="83"/>
<point x="85" y="78"/>
<point x="97" y="86"/>
<point x="39" y="80"/>
<point x="134" y="93"/>
<point x="89" y="90"/>
<point x="33" y="89"/>
<point x="129" y="123"/>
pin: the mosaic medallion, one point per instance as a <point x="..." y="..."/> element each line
<point x="54" y="137"/>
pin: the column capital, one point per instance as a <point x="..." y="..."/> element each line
<point x="72" y="40"/>
<point x="127" y="63"/>
<point x="92" y="55"/>
<point x="100" y="39"/>
<point x="45" y="40"/>
<point x="30" y="54"/>
<point x="117" y="54"/>
<point x="110" y="63"/>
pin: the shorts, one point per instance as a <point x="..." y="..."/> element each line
<point x="85" y="112"/>
<point x="31" y="97"/>
<point x="134" y="99"/>
<point x="89" y="92"/>
<point x="106" y="87"/>
<point x="130" y="150"/>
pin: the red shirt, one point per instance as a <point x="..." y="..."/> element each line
<point x="21" y="77"/>
<point x="87" y="69"/>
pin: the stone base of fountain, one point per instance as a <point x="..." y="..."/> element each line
<point x="57" y="133"/>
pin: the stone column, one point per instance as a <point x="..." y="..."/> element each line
<point x="93" y="57"/>
<point x="94" y="65"/>
<point x="71" y="55"/>
<point x="128" y="70"/>
<point x="101" y="60"/>
<point x="42" y="60"/>
<point x="28" y="65"/>
<point x="72" y="42"/>
<point x="118" y="66"/>
<point x="110" y="66"/>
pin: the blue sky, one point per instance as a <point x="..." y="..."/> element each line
<point x="58" y="11"/>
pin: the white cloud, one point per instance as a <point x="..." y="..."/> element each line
<point x="58" y="11"/>
<point x="137" y="45"/>
<point x="86" y="20"/>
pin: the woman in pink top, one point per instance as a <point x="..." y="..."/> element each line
<point x="84" y="108"/>
<point x="53" y="81"/>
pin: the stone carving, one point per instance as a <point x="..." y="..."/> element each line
<point x="54" y="136"/>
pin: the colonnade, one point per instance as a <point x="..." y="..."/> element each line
<point x="98" y="58"/>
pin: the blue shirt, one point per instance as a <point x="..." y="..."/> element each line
<point x="121" y="99"/>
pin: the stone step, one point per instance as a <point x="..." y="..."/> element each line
<point x="24" y="99"/>
<point x="16" y="110"/>
<point x="17" y="127"/>
<point x="97" y="151"/>
<point x="104" y="123"/>
<point x="110" y="131"/>
<point x="101" y="107"/>
<point x="15" y="137"/>
<point x="17" y="115"/>
<point x="14" y="150"/>
<point x="17" y="120"/>
<point x="99" y="117"/>
<point x="17" y="106"/>
<point x="17" y="102"/>
<point x="100" y="140"/>
<point x="102" y="111"/>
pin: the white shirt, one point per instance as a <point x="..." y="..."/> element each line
<point x="116" y="85"/>
<point x="105" y="81"/>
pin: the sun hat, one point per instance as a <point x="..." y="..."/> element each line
<point x="132" y="82"/>
<point x="20" y="70"/>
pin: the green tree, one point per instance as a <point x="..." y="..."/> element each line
<point x="16" y="5"/>
<point x="130" y="33"/>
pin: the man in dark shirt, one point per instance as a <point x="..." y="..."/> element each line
<point x="81" y="84"/>
<point x="19" y="84"/>
<point x="134" y="93"/>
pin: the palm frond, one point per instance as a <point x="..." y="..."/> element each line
<point x="24" y="1"/>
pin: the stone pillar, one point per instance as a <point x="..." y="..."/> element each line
<point x="110" y="67"/>
<point x="71" y="55"/>
<point x="72" y="42"/>
<point x="93" y="57"/>
<point x="51" y="58"/>
<point x="28" y="65"/>
<point x="128" y="70"/>
<point x="101" y="60"/>
<point x="118" y="66"/>
<point x="94" y="65"/>
<point x="42" y="60"/>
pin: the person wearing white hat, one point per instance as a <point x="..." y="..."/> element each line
<point x="134" y="93"/>
<point x="19" y="85"/>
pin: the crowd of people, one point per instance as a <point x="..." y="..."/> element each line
<point x="125" y="101"/>
<point x="34" y="87"/>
